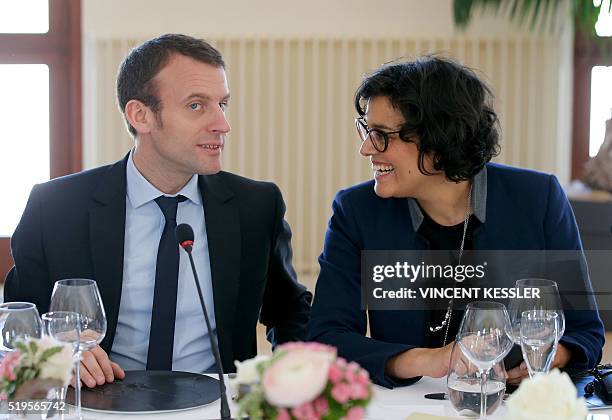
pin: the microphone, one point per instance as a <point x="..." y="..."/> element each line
<point x="184" y="235"/>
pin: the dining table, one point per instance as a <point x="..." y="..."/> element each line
<point x="386" y="404"/>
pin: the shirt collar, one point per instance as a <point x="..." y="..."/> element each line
<point x="479" y="201"/>
<point x="140" y="191"/>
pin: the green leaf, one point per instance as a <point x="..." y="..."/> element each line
<point x="536" y="13"/>
<point x="462" y="10"/>
<point x="540" y="14"/>
<point x="47" y="354"/>
<point x="33" y="346"/>
<point x="20" y="345"/>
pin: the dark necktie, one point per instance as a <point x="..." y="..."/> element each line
<point x="161" y="336"/>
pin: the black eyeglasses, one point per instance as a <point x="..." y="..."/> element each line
<point x="379" y="138"/>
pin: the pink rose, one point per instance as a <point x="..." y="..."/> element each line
<point x="363" y="377"/>
<point x="283" y="414"/>
<point x="341" y="392"/>
<point x="297" y="377"/>
<point x="321" y="406"/>
<point x="359" y="391"/>
<point x="354" y="367"/>
<point x="8" y="365"/>
<point x="355" y="413"/>
<point x="305" y="411"/>
<point x="335" y="373"/>
<point x="350" y="376"/>
<point x="341" y="363"/>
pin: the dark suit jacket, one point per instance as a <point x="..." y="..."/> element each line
<point x="74" y="226"/>
<point x="525" y="210"/>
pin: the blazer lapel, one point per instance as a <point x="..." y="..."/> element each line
<point x="224" y="244"/>
<point x="107" y="233"/>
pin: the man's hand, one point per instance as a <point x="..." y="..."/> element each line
<point x="517" y="374"/>
<point x="97" y="368"/>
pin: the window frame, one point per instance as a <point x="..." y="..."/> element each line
<point x="60" y="49"/>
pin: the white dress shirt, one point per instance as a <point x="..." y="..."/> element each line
<point x="144" y="224"/>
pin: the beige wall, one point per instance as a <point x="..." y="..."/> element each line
<point x="282" y="18"/>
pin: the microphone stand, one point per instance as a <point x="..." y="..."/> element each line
<point x="225" y="411"/>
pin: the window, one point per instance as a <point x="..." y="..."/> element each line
<point x="603" y="26"/>
<point x="592" y="102"/>
<point x="601" y="84"/>
<point x="24" y="16"/>
<point x="601" y="106"/>
<point x="24" y="130"/>
<point x="40" y="102"/>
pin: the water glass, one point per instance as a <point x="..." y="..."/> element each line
<point x="549" y="300"/>
<point x="64" y="326"/>
<point x="538" y="339"/>
<point x="19" y="321"/>
<point x="82" y="297"/>
<point x="463" y="382"/>
<point x="484" y="340"/>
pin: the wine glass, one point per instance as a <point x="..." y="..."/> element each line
<point x="64" y="327"/>
<point x="19" y="321"/>
<point x="484" y="340"/>
<point x="538" y="339"/>
<point x="463" y="382"/>
<point x="548" y="300"/>
<point x="82" y="297"/>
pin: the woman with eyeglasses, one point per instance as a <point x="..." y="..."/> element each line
<point x="429" y="132"/>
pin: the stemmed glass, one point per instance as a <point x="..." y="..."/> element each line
<point x="82" y="297"/>
<point x="66" y="328"/>
<point x="19" y="321"/>
<point x="549" y="300"/>
<point x="463" y="382"/>
<point x="483" y="338"/>
<point x="538" y="339"/>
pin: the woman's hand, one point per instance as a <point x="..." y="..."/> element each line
<point x="420" y="362"/>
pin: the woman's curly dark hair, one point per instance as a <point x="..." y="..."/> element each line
<point x="446" y="106"/>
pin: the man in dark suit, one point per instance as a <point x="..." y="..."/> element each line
<point x="115" y="224"/>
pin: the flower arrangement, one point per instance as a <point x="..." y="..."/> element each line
<point x="557" y="389"/>
<point x="35" y="367"/>
<point x="302" y="381"/>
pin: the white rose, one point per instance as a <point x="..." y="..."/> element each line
<point x="246" y="372"/>
<point x="59" y="366"/>
<point x="546" y="397"/>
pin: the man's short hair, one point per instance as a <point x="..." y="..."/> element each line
<point x="446" y="106"/>
<point x="143" y="63"/>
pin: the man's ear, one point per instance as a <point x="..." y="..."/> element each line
<point x="140" y="116"/>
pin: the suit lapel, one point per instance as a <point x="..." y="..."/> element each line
<point x="107" y="233"/>
<point x="224" y="244"/>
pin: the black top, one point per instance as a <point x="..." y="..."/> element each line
<point x="440" y="237"/>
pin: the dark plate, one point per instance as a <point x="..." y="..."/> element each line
<point x="150" y="391"/>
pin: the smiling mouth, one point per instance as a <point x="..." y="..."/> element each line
<point x="211" y="146"/>
<point x="382" y="169"/>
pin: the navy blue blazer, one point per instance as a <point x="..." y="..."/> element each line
<point x="525" y="210"/>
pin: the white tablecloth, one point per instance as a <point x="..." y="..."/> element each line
<point x="386" y="405"/>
